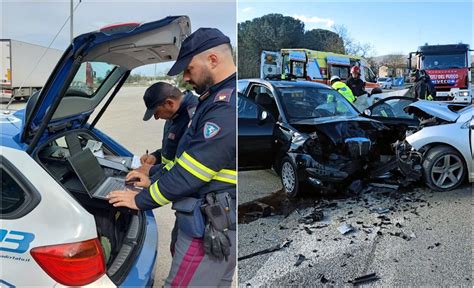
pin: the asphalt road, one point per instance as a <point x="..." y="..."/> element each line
<point x="425" y="239"/>
<point x="123" y="122"/>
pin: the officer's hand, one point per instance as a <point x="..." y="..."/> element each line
<point x="123" y="199"/>
<point x="141" y="180"/>
<point x="148" y="159"/>
<point x="145" y="169"/>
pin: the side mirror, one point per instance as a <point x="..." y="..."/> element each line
<point x="367" y="112"/>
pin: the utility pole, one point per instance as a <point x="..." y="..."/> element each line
<point x="72" y="20"/>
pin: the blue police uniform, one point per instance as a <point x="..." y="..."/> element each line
<point x="172" y="133"/>
<point x="204" y="165"/>
<point x="205" y="158"/>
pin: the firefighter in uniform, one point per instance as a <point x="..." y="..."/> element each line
<point x="420" y="90"/>
<point x="356" y="84"/>
<point x="163" y="101"/>
<point x="201" y="182"/>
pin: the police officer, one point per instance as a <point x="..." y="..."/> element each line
<point x="421" y="89"/>
<point x="163" y="101"/>
<point x="342" y="88"/>
<point x="356" y="84"/>
<point x="205" y="168"/>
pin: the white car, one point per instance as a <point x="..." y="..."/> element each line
<point x="446" y="141"/>
<point x="54" y="232"/>
<point x="385" y="82"/>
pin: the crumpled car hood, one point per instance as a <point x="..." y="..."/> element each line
<point x="440" y="110"/>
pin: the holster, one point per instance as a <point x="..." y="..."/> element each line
<point x="220" y="211"/>
<point x="189" y="216"/>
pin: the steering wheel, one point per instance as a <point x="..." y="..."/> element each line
<point x="318" y="112"/>
<point x="383" y="110"/>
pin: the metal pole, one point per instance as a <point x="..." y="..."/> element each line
<point x="72" y="20"/>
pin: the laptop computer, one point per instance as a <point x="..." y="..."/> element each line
<point x="91" y="175"/>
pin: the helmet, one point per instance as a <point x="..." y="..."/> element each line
<point x="355" y="69"/>
<point x="335" y="78"/>
<point x="415" y="73"/>
<point x="423" y="73"/>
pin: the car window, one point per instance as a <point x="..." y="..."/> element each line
<point x="13" y="195"/>
<point x="246" y="108"/>
<point x="88" y="78"/>
<point x="369" y="75"/>
<point x="392" y="108"/>
<point x="242" y="86"/>
<point x="341" y="71"/>
<point x="310" y="102"/>
<point x="264" y="98"/>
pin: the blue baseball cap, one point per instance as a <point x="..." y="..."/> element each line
<point x="199" y="41"/>
<point x="155" y="95"/>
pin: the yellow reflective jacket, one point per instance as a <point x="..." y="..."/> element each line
<point x="344" y="90"/>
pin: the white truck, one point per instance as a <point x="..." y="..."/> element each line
<point x="17" y="60"/>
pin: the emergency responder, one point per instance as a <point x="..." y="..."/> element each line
<point x="163" y="101"/>
<point x="204" y="172"/>
<point x="420" y="89"/>
<point x="356" y="84"/>
<point x="431" y="87"/>
<point x="342" y="88"/>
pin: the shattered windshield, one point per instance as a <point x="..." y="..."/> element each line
<point x="310" y="102"/>
<point x="444" y="61"/>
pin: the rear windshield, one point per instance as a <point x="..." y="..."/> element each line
<point x="88" y="78"/>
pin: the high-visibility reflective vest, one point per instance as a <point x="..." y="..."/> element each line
<point x="344" y="90"/>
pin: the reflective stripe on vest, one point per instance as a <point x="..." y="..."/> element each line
<point x="164" y="160"/>
<point x="204" y="173"/>
<point x="155" y="193"/>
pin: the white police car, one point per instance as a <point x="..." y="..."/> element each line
<point x="52" y="231"/>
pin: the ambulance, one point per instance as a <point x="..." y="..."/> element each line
<point x="314" y="65"/>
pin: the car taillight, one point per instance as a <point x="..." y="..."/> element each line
<point x="75" y="264"/>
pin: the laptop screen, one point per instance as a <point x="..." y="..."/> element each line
<point x="87" y="169"/>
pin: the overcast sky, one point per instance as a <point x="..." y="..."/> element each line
<point x="38" y="21"/>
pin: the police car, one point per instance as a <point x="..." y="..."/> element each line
<point x="53" y="232"/>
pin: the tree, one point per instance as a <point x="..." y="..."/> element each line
<point x="352" y="47"/>
<point x="270" y="32"/>
<point x="394" y="62"/>
<point x="323" y="40"/>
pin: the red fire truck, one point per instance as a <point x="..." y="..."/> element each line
<point x="448" y="67"/>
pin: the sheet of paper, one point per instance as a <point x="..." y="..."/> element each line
<point x="135" y="162"/>
<point x="99" y="153"/>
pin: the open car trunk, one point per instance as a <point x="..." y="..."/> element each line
<point x="121" y="231"/>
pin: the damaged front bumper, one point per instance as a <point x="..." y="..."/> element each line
<point x="409" y="161"/>
<point x="320" y="174"/>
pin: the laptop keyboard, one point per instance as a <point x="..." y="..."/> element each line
<point x="111" y="186"/>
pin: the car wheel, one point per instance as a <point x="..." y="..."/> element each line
<point x="443" y="168"/>
<point x="289" y="177"/>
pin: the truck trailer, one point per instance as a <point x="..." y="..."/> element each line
<point x="18" y="59"/>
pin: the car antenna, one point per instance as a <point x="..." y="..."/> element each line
<point x="41" y="58"/>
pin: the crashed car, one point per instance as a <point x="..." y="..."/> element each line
<point x="310" y="134"/>
<point x="53" y="233"/>
<point x="445" y="139"/>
